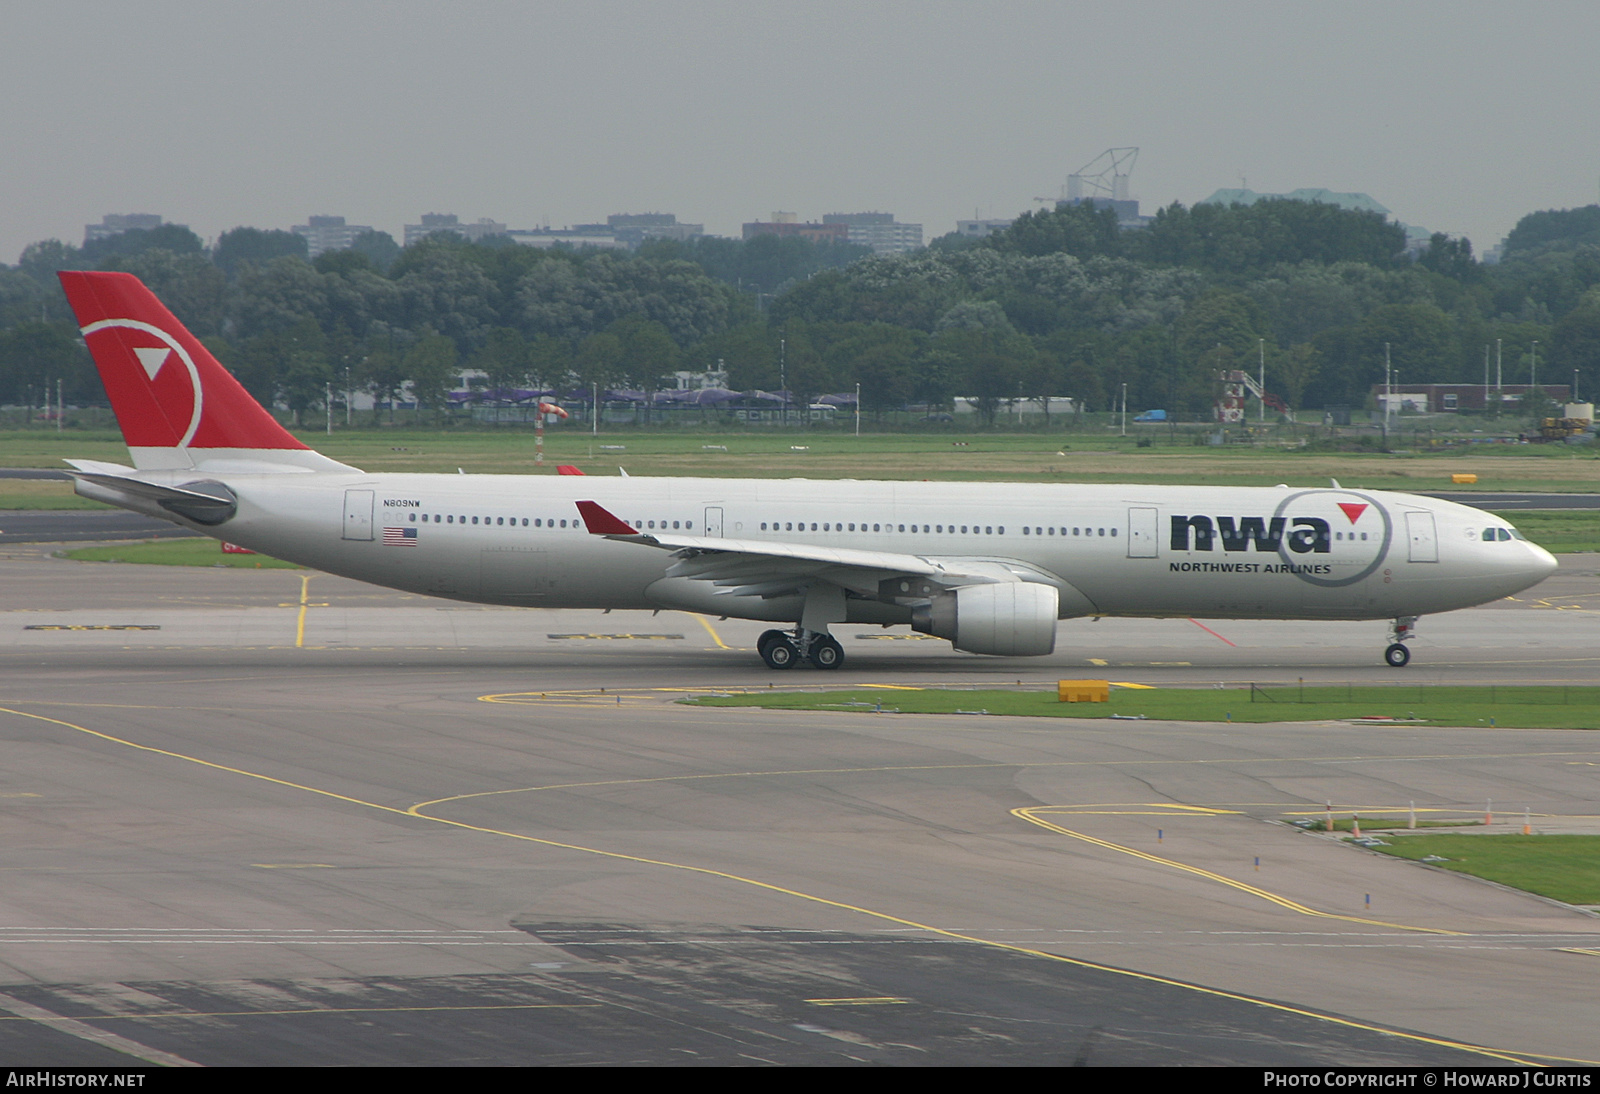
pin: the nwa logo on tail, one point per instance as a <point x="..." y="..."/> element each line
<point x="151" y="359"/>
<point x="1350" y="528"/>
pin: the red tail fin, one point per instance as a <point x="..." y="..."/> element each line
<point x="176" y="404"/>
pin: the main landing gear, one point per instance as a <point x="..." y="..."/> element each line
<point x="781" y="650"/>
<point x="1400" y="631"/>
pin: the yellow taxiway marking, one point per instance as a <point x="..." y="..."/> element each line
<point x="1031" y="815"/>
<point x="770" y="887"/>
<point x="1577" y="949"/>
<point x="712" y="631"/>
<point x="863" y="1001"/>
<point x="300" y="626"/>
<point x="293" y="865"/>
<point x="1138" y="809"/>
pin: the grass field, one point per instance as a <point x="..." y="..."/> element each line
<point x="178" y="552"/>
<point x="1508" y="707"/>
<point x="1562" y="867"/>
<point x="829" y="454"/>
<point x="1384" y="824"/>
<point x="42" y="494"/>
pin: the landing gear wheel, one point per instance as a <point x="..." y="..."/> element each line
<point x="1397" y="656"/>
<point x="767" y="639"/>
<point x="826" y="653"/>
<point x="780" y="653"/>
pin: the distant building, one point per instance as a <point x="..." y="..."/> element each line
<point x="328" y="234"/>
<point x="1434" y="398"/>
<point x="579" y="235"/>
<point x="449" y="222"/>
<point x="880" y="231"/>
<point x="634" y="228"/>
<point x="117" y="223"/>
<point x="982" y="229"/>
<point x="788" y="226"/>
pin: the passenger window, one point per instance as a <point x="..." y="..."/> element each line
<point x="413" y="518"/>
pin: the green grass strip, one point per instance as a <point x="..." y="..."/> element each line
<point x="1521" y="707"/>
<point x="1565" y="868"/>
<point x="191" y="551"/>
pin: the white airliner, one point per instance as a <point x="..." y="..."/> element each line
<point x="991" y="567"/>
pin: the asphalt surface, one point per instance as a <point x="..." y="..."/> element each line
<point x="1509" y="502"/>
<point x="82" y="525"/>
<point x="303" y="820"/>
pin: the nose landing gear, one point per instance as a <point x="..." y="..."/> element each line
<point x="781" y="651"/>
<point x="1400" y="631"/>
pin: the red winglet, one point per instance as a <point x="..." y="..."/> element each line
<point x="567" y="469"/>
<point x="600" y="522"/>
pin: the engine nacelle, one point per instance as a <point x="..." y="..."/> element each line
<point x="1009" y="619"/>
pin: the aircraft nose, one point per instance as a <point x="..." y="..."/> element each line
<point x="1546" y="562"/>
<point x="1533" y="566"/>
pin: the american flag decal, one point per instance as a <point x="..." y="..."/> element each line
<point x="399" y="537"/>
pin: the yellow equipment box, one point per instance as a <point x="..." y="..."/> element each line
<point x="1083" y="691"/>
<point x="1463" y="479"/>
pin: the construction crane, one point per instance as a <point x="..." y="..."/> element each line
<point x="1105" y="177"/>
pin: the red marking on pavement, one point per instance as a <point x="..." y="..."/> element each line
<point x="1211" y="632"/>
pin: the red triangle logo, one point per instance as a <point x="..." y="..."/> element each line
<point x="1353" y="509"/>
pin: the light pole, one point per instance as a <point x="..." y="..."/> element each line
<point x="858" y="406"/>
<point x="1388" y="393"/>
<point x="783" y="376"/>
<point x="1263" y="399"/>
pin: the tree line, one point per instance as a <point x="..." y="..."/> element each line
<point x="1064" y="302"/>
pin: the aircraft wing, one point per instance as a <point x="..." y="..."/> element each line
<point x="767" y="568"/>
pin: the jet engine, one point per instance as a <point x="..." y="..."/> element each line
<point x="1010" y="619"/>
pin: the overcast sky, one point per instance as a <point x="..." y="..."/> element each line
<point x="1459" y="117"/>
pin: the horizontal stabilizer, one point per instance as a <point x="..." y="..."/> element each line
<point x="204" y="502"/>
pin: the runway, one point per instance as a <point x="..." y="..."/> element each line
<point x="296" y="819"/>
